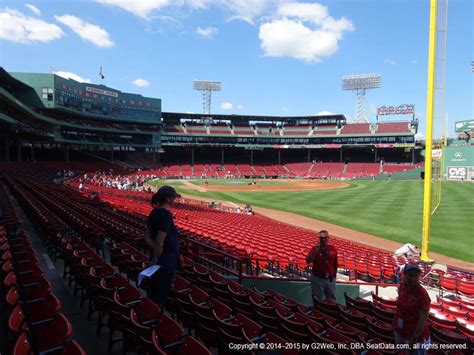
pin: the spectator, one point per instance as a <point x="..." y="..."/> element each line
<point x="323" y="257"/>
<point x="399" y="273"/>
<point x="162" y="236"/>
<point x="408" y="250"/>
<point x="413" y="305"/>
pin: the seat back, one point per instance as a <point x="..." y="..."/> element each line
<point x="168" y="330"/>
<point x="22" y="345"/>
<point x="192" y="346"/>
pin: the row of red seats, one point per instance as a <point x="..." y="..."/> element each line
<point x="452" y="315"/>
<point x="255" y="235"/>
<point x="370" y="264"/>
<point x="112" y="296"/>
<point x="458" y="310"/>
<point x="102" y="286"/>
<point x="242" y="307"/>
<point x="206" y="300"/>
<point x="35" y="323"/>
<point x="361" y="169"/>
<point x="440" y="332"/>
<point x="258" y="235"/>
<point x="8" y="215"/>
<point x="457" y="284"/>
<point x="350" y="259"/>
<point x="83" y="262"/>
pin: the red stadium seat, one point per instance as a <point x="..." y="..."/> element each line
<point x="72" y="347"/>
<point x="192" y="346"/>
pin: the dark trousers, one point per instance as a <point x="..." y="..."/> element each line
<point x="163" y="279"/>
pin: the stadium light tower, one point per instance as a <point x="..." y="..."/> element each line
<point x="206" y="87"/>
<point x="360" y="84"/>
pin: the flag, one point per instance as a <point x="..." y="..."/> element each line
<point x="100" y="73"/>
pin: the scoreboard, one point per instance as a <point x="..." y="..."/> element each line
<point x="464" y="126"/>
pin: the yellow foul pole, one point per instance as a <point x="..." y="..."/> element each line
<point x="429" y="133"/>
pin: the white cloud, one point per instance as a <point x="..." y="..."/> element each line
<point x="241" y="107"/>
<point x="284" y="109"/>
<point x="70" y="75"/>
<point x="246" y="10"/>
<point x="17" y="27"/>
<point x="390" y="61"/>
<point x="87" y="31"/>
<point x="419" y="136"/>
<point x="140" y="8"/>
<point x="34" y="9"/>
<point x="206" y="32"/>
<point x="315" y="13"/>
<point x="414" y="61"/>
<point x="227" y="106"/>
<point x="324" y="113"/>
<point x="141" y="82"/>
<point x="303" y="31"/>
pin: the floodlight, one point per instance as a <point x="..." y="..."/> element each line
<point x="206" y="87"/>
<point x="360" y="84"/>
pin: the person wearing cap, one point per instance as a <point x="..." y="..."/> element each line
<point x="162" y="236"/>
<point x="413" y="305"/>
<point x="323" y="258"/>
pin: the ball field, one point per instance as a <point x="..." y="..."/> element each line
<point x="388" y="209"/>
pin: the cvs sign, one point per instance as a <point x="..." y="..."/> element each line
<point x="457" y="172"/>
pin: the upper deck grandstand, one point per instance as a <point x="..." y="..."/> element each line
<point x="62" y="114"/>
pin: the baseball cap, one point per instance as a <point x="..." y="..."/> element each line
<point x="167" y="192"/>
<point x="411" y="266"/>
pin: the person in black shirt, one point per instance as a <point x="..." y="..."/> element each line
<point x="162" y="237"/>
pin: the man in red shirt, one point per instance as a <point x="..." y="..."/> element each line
<point x="413" y="305"/>
<point x="324" y="259"/>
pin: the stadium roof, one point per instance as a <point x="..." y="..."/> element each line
<point x="8" y="81"/>
<point x="174" y="116"/>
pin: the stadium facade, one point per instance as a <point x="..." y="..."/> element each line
<point x="45" y="116"/>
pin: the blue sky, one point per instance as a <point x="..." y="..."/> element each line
<point x="272" y="57"/>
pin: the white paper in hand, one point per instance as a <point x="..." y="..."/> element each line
<point x="147" y="273"/>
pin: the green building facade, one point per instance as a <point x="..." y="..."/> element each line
<point x="55" y="92"/>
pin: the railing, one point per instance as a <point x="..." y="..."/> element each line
<point x="250" y="268"/>
<point x="376" y="284"/>
<point x="216" y="258"/>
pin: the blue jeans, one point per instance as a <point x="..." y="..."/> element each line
<point x="164" y="278"/>
<point x="323" y="289"/>
<point x="420" y="351"/>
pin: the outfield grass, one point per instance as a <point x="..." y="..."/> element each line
<point x="239" y="182"/>
<point x="388" y="209"/>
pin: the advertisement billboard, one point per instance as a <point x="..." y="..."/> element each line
<point x="404" y="109"/>
<point x="464" y="126"/>
<point x="459" y="163"/>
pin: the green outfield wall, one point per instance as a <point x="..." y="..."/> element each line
<point x="459" y="162"/>
<point x="299" y="291"/>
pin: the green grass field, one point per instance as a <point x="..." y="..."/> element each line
<point x="388" y="209"/>
<point x="239" y="182"/>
